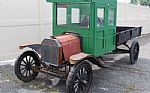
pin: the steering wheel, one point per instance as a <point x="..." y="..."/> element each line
<point x="100" y="21"/>
<point x="84" y="21"/>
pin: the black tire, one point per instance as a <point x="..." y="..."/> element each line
<point x="134" y="52"/>
<point x="79" y="78"/>
<point x="23" y="66"/>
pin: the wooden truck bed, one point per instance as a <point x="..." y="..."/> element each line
<point x="127" y="33"/>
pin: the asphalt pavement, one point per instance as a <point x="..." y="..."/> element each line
<point x="119" y="77"/>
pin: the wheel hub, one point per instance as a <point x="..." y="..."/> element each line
<point x="28" y="66"/>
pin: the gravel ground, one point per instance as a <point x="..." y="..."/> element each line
<point x="119" y="77"/>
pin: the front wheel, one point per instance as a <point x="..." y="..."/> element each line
<point x="79" y="78"/>
<point x="23" y="66"/>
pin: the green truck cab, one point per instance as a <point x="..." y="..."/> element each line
<point x="94" y="20"/>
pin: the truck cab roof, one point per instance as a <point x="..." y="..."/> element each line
<point x="73" y="1"/>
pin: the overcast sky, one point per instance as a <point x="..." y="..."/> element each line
<point x="127" y="1"/>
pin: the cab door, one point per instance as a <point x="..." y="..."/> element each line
<point x="111" y="28"/>
<point x="100" y="29"/>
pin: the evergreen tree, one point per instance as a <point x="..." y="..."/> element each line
<point x="141" y="2"/>
<point x="135" y="2"/>
<point x="145" y="2"/>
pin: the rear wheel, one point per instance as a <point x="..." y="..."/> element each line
<point x="79" y="78"/>
<point x="23" y="66"/>
<point x="134" y="52"/>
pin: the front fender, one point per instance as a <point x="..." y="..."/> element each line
<point x="35" y="47"/>
<point x="94" y="60"/>
<point x="80" y="57"/>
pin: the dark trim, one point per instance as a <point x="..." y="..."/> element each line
<point x="120" y="51"/>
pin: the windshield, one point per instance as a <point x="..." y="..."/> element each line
<point x="73" y="15"/>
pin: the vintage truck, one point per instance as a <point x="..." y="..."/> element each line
<point x="83" y="31"/>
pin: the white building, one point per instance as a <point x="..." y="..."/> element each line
<point x="29" y="21"/>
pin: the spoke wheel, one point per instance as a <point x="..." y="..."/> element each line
<point x="80" y="78"/>
<point x="23" y="66"/>
<point x="134" y="52"/>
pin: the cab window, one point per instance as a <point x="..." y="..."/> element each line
<point x="100" y="17"/>
<point x="73" y="15"/>
<point x="111" y="16"/>
<point x="61" y="16"/>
